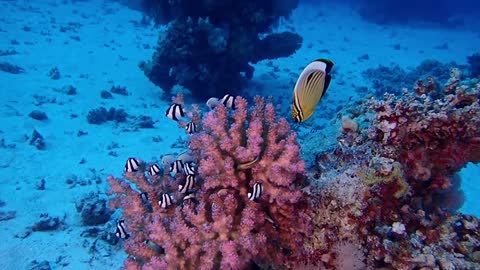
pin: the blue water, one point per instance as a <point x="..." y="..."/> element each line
<point x="61" y="61"/>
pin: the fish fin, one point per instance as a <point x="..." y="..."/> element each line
<point x="328" y="62"/>
<point x="328" y="78"/>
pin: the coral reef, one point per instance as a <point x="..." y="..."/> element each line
<point x="389" y="193"/>
<point x="222" y="223"/>
<point x="392" y="79"/>
<point x="474" y="62"/>
<point x="208" y="45"/>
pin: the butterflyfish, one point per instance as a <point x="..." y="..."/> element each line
<point x="311" y="86"/>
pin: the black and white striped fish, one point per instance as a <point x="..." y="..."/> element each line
<point x="175" y="111"/>
<point x="132" y="165"/>
<point x="256" y="192"/>
<point x="191" y="128"/>
<point x="229" y="101"/>
<point x="165" y="200"/>
<point x="189" y="183"/>
<point x="189" y="169"/>
<point x="121" y="232"/>
<point x="154" y="170"/>
<point x="189" y="197"/>
<point x="176" y="167"/>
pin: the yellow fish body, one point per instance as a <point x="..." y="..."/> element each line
<point x="310" y="88"/>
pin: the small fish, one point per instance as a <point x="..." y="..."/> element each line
<point x="176" y="167"/>
<point x="144" y="197"/>
<point x="311" y="86"/>
<point x="257" y="191"/>
<point x="154" y="246"/>
<point x="146" y="201"/>
<point x="248" y="164"/>
<point x="189" y="183"/>
<point x="175" y="111"/>
<point x="121" y="232"/>
<point x="165" y="200"/>
<point x="229" y="101"/>
<point x="154" y="170"/>
<point x="191" y="128"/>
<point x="189" y="197"/>
<point x="189" y="169"/>
<point x="132" y="165"/>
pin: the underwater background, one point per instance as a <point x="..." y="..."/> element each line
<point x="370" y="181"/>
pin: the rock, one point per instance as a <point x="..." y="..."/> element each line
<point x="54" y="73"/>
<point x="47" y="223"/>
<point x="10" y="68"/>
<point x="38" y="115"/>
<point x="7" y="215"/>
<point x="35" y="265"/>
<point x="37" y="140"/>
<point x="106" y="95"/>
<point x="93" y="210"/>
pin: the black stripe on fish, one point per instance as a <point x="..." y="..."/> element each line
<point x="189" y="169"/>
<point x="174" y="112"/>
<point x="121" y="232"/>
<point x="190" y="196"/>
<point x="191" y="128"/>
<point x="189" y="183"/>
<point x="297" y="111"/>
<point x="229" y="101"/>
<point x="132" y="165"/>
<point x="256" y="192"/>
<point x="177" y="166"/>
<point x="154" y="170"/>
<point x="165" y="200"/>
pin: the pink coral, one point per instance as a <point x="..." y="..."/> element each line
<point x="224" y="229"/>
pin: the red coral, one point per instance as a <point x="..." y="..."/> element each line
<point x="431" y="138"/>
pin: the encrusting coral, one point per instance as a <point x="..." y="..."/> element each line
<point x="225" y="226"/>
<point x="391" y="193"/>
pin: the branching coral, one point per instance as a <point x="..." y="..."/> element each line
<point x="224" y="227"/>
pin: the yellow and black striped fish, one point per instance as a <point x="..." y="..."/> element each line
<point x="310" y="88"/>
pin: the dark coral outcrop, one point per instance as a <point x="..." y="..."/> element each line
<point x="209" y="45"/>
